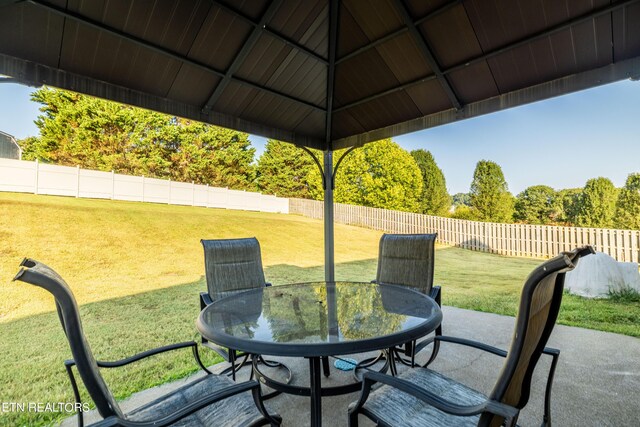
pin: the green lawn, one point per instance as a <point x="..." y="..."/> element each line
<point x="136" y="270"/>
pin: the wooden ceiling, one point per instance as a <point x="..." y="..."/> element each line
<point x="321" y="73"/>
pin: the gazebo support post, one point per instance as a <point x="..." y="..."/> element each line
<point x="329" y="240"/>
<point x="328" y="178"/>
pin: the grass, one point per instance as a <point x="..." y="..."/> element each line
<point x="625" y="296"/>
<point x="136" y="270"/>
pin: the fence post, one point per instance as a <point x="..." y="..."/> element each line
<point x="35" y="190"/>
<point x="77" y="181"/>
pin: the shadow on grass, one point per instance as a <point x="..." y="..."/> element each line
<point x="477" y="244"/>
<point x="33" y="349"/>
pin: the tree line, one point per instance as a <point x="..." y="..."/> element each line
<point x="598" y="204"/>
<point x="97" y="134"/>
<point x="79" y="130"/>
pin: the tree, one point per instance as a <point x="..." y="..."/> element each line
<point x="490" y="197"/>
<point x="568" y="205"/>
<point x="536" y="205"/>
<point x="29" y="147"/>
<point x="461" y="199"/>
<point x="380" y="175"/>
<point x="212" y="155"/>
<point x="628" y="205"/>
<point x="435" y="199"/>
<point x="287" y="171"/>
<point x="96" y="134"/>
<point x="464" y="212"/>
<point x="597" y="204"/>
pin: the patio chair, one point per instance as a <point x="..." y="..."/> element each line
<point x="233" y="265"/>
<point x="209" y="400"/>
<point x="408" y="260"/>
<point x="423" y="397"/>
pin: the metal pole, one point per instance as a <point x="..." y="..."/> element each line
<point x="329" y="260"/>
<point x="315" y="389"/>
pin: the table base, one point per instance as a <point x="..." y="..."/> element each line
<point x="315" y="390"/>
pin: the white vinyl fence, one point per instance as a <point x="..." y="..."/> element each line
<point x="41" y="178"/>
<point x="539" y="241"/>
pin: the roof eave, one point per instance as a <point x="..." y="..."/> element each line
<point x="627" y="69"/>
<point x="33" y="74"/>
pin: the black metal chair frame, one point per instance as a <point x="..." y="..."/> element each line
<point x="39" y="274"/>
<point x="228" y="354"/>
<point x="492" y="406"/>
<point x="70" y="363"/>
<point x="410" y="349"/>
<point x="231" y="355"/>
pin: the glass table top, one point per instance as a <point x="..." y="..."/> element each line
<point x="318" y="319"/>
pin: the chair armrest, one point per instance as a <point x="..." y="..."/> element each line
<point x="122" y="362"/>
<point x="145" y="354"/>
<point x="498" y="408"/>
<point x="477" y="345"/>
<point x="69" y="364"/>
<point x="462" y="341"/>
<point x="184" y="411"/>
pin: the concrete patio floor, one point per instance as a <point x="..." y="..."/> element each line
<point x="597" y="381"/>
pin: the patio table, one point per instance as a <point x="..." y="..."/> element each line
<point x="314" y="320"/>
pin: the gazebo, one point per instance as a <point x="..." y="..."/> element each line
<point x="324" y="74"/>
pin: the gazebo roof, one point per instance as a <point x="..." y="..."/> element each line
<point x="291" y="70"/>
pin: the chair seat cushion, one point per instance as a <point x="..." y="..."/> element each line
<point x="233" y="411"/>
<point x="395" y="407"/>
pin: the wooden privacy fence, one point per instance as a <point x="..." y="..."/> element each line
<point x="523" y="240"/>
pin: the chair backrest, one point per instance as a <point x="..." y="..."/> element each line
<point x="232" y="265"/>
<point x="407" y="259"/>
<point x="539" y="306"/>
<point x="38" y="274"/>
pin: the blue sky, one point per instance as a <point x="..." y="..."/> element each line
<point x="560" y="142"/>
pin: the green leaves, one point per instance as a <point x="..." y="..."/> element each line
<point x="597" y="204"/>
<point x="490" y="197"/>
<point x="536" y="205"/>
<point x="287" y="171"/>
<point x="435" y="199"/>
<point x="628" y="205"/>
<point x="381" y="175"/>
<point x="568" y="205"/>
<point x="96" y="134"/>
